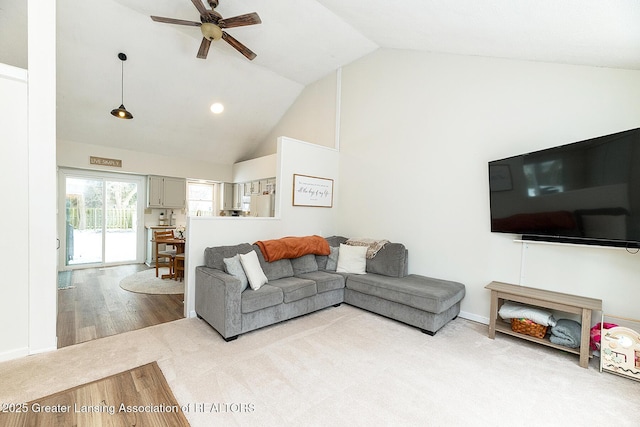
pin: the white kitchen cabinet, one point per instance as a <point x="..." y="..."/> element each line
<point x="226" y="196"/>
<point x="238" y="193"/>
<point x="252" y="188"/>
<point x="165" y="192"/>
<point x="155" y="186"/>
<point x="255" y="187"/>
<point x="263" y="186"/>
<point x="270" y="186"/>
<point x="175" y="193"/>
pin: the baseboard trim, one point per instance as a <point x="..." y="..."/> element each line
<point x="14" y="354"/>
<point x="43" y="350"/>
<point x="474" y="317"/>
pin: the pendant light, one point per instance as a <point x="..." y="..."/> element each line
<point x="122" y="112"/>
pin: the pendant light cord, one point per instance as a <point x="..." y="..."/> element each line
<point x="122" y="81"/>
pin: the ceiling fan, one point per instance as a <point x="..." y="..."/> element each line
<point x="212" y="25"/>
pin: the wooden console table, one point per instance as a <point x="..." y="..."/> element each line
<point x="547" y="299"/>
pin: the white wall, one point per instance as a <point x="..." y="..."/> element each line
<point x="311" y="118"/>
<point x="417" y="131"/>
<point x="76" y="155"/>
<point x="293" y="157"/>
<point x="251" y="170"/>
<point x="14" y="294"/>
<point x="41" y="184"/>
<point x="13" y="34"/>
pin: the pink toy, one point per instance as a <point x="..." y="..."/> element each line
<point x="595" y="334"/>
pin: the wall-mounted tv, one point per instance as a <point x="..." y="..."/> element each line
<point x="586" y="192"/>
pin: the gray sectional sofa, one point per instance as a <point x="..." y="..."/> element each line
<point x="305" y="284"/>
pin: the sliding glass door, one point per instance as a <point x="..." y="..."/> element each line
<point x="84" y="206"/>
<point x="101" y="219"/>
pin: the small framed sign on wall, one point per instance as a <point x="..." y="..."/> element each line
<point x="312" y="191"/>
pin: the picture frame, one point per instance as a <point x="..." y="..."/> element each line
<point x="312" y="191"/>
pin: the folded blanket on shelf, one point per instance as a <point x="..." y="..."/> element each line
<point x="293" y="247"/>
<point x="373" y="246"/>
<point x="566" y="332"/>
<point x="513" y="310"/>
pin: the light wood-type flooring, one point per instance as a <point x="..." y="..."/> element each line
<point x="138" y="397"/>
<point x="94" y="306"/>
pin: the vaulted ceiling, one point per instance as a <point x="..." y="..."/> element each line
<point x="169" y="90"/>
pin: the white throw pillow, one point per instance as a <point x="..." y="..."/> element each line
<point x="233" y="266"/>
<point x="352" y="259"/>
<point x="252" y="269"/>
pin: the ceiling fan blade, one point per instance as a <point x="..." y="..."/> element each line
<point x="198" y="4"/>
<point x="240" y="21"/>
<point x="175" y="21"/>
<point x="238" y="46"/>
<point x="204" y="48"/>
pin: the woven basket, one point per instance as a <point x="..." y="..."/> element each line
<point x="527" y="327"/>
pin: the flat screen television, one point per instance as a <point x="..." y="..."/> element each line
<point x="586" y="192"/>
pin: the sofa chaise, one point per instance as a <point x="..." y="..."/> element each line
<point x="304" y="284"/>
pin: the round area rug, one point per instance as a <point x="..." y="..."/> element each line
<point x="146" y="282"/>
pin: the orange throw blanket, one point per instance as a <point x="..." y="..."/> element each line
<point x="293" y="247"/>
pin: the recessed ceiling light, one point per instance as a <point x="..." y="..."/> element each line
<point x="217" y="108"/>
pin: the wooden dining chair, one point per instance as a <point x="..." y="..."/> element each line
<point x="178" y="267"/>
<point x="167" y="255"/>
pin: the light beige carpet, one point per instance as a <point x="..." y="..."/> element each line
<point x="146" y="282"/>
<point x="345" y="367"/>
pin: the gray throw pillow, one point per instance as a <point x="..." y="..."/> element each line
<point x="321" y="260"/>
<point x="273" y="270"/>
<point x="390" y="261"/>
<point x="233" y="266"/>
<point x="214" y="256"/>
<point x="332" y="262"/>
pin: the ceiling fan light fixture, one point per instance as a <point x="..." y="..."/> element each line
<point x="211" y="31"/>
<point x="212" y="26"/>
<point x="121" y="112"/>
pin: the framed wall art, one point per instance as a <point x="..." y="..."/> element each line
<point x="312" y="191"/>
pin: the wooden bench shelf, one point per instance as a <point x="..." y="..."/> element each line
<point x="582" y="306"/>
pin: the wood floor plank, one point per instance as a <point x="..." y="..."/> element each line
<point x="106" y="402"/>
<point x="87" y="333"/>
<point x="96" y="306"/>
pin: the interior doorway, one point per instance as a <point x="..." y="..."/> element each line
<point x="100" y="219"/>
<point x="92" y="305"/>
<point x="102" y="240"/>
